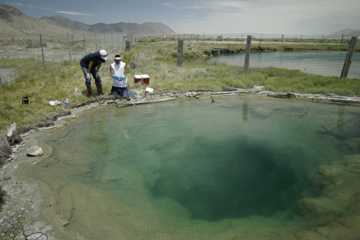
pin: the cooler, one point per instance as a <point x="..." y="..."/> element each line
<point x="142" y="78"/>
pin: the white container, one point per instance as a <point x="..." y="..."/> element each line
<point x="150" y="90"/>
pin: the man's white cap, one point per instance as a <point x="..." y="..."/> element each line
<point x="103" y="54"/>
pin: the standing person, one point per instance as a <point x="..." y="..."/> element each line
<point x="92" y="63"/>
<point x="118" y="71"/>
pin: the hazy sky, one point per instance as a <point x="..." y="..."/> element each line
<point x="208" y="16"/>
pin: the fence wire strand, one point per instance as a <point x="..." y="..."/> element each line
<point x="326" y="63"/>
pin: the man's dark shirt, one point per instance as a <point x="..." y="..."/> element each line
<point x="93" y="57"/>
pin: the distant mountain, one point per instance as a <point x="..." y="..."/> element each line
<point x="67" y="23"/>
<point x="14" y="23"/>
<point x="144" y="28"/>
<point x="7" y="13"/>
<point x="346" y="32"/>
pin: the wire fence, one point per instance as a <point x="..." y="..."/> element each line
<point x="327" y="60"/>
<point x="327" y="63"/>
<point x="256" y="38"/>
<point x="68" y="48"/>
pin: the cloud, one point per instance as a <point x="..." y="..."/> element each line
<point x="16" y="4"/>
<point x="266" y="16"/>
<point x="211" y="5"/>
<point x="75" y="13"/>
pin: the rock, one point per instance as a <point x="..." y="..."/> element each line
<point x="28" y="232"/>
<point x="11" y="130"/>
<point x="65" y="223"/>
<point x="258" y="88"/>
<point x="317" y="208"/>
<point x="34" y="151"/>
<point x="37" y="236"/>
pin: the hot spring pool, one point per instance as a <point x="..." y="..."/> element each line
<point x="196" y="169"/>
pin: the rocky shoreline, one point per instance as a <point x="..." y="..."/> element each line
<point x="18" y="219"/>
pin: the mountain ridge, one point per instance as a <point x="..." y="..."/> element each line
<point x="345" y="32"/>
<point x="14" y="23"/>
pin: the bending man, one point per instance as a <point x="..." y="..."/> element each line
<point x="91" y="63"/>
<point x="118" y="71"/>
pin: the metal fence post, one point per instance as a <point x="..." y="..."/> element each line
<point x="124" y="40"/>
<point x="95" y="43"/>
<point x="118" y="41"/>
<point x="105" y="41"/>
<point x="42" y="51"/>
<point x="69" y="46"/>
<point x="282" y="38"/>
<point x="112" y="43"/>
<point x="348" y="58"/>
<point x="128" y="46"/>
<point x="247" y="54"/>
<point x="84" y="44"/>
<point x="180" y="52"/>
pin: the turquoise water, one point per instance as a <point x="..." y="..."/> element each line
<point x="184" y="161"/>
<point x="326" y="63"/>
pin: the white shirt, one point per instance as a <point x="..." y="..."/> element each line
<point x="119" y="71"/>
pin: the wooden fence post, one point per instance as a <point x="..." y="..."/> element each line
<point x="42" y="50"/>
<point x="128" y="46"/>
<point x="0" y="82"/>
<point x="247" y="54"/>
<point x="180" y="52"/>
<point x="348" y="58"/>
<point x="69" y="46"/>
